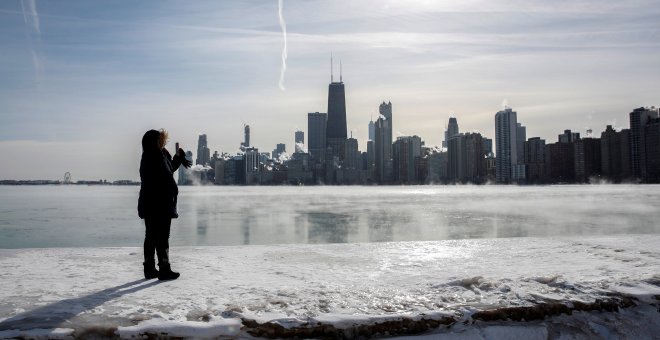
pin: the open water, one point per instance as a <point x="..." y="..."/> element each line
<point x="92" y="216"/>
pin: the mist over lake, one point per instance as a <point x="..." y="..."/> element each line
<point x="92" y="216"/>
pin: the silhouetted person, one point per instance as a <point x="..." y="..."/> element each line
<point x="157" y="202"/>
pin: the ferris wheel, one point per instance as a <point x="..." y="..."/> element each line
<point x="67" y="178"/>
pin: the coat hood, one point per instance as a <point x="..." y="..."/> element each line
<point x="150" y="141"/>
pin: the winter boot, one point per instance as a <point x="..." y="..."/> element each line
<point x="166" y="273"/>
<point x="150" y="271"/>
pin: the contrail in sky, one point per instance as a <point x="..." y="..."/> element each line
<point x="31" y="18"/>
<point x="284" y="53"/>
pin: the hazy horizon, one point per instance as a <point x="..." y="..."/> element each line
<point x="83" y="81"/>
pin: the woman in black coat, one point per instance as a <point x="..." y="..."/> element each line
<point x="157" y="201"/>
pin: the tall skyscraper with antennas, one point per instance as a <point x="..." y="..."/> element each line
<point x="336" y="128"/>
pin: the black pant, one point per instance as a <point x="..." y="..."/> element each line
<point x="156" y="239"/>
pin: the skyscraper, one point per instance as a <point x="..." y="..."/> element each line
<point x="521" y="137"/>
<point x="184" y="174"/>
<point x="246" y="137"/>
<point x="336" y="126"/>
<point x="404" y="152"/>
<point x="568" y="137"/>
<point x="535" y="159"/>
<point x="652" y="149"/>
<point x="252" y="165"/>
<point x="638" y="119"/>
<point x="352" y="157"/>
<point x="203" y="152"/>
<point x="371" y="157"/>
<point x="615" y="154"/>
<point x="487" y="146"/>
<point x="316" y="136"/>
<point x="385" y="109"/>
<point x="452" y="130"/>
<point x="372" y="130"/>
<point x="506" y="144"/>
<point x="383" y="143"/>
<point x="279" y="150"/>
<point x="587" y="159"/>
<point x="465" y="158"/>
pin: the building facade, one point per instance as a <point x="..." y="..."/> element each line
<point x="203" y="152"/>
<point x="404" y="152"/>
<point x="383" y="144"/>
<point x="506" y="144"/>
<point x="638" y="119"/>
<point x="316" y="138"/>
<point x="615" y="154"/>
<point x="336" y="131"/>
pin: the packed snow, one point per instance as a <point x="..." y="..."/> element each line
<point x="451" y="286"/>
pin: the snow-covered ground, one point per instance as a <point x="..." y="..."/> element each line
<point x="486" y="288"/>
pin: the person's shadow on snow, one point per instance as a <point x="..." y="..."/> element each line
<point x="59" y="314"/>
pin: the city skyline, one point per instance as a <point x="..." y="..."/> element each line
<point x="85" y="82"/>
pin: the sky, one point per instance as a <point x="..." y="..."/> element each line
<point x="81" y="81"/>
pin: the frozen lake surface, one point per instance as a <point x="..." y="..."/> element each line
<point x="605" y="287"/>
<point x="482" y="262"/>
<point x="89" y="216"/>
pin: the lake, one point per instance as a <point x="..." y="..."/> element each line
<point x="92" y="216"/>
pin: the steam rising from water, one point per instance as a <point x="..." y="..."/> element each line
<point x="280" y="4"/>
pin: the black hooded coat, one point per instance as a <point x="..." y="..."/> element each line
<point x="158" y="191"/>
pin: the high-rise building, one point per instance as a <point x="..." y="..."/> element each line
<point x="336" y="131"/>
<point x="615" y="154"/>
<point x="506" y="144"/>
<point x="280" y="149"/>
<point x="184" y="174"/>
<point x="385" y="109"/>
<point x="404" y="152"/>
<point x="652" y="150"/>
<point x="203" y="152"/>
<point x="252" y="167"/>
<point x="383" y="144"/>
<point x="560" y="162"/>
<point x="437" y="167"/>
<point x="465" y="158"/>
<point x="487" y="146"/>
<point x="534" y="159"/>
<point x="568" y="137"/>
<point x="246" y="136"/>
<point x="299" y="138"/>
<point x="638" y="119"/>
<point x="521" y="137"/>
<point x="316" y="136"/>
<point x="372" y="130"/>
<point x="456" y="158"/>
<point x="352" y="158"/>
<point x="219" y="168"/>
<point x="587" y="159"/>
<point x="371" y="159"/>
<point x="452" y="130"/>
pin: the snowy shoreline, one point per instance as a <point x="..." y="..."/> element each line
<point x="538" y="286"/>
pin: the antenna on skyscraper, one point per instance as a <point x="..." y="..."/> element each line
<point x="332" y="78"/>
